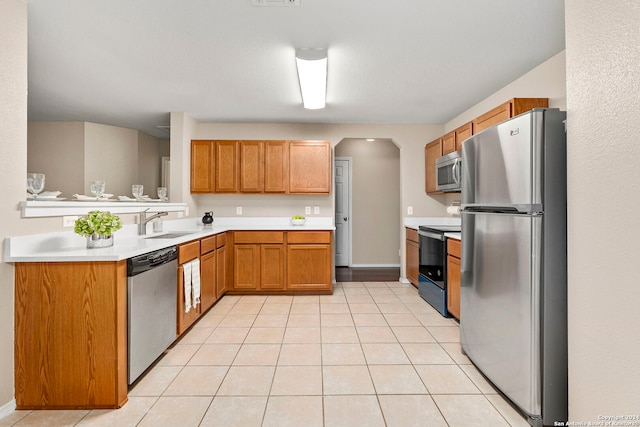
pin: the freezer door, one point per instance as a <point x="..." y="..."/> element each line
<point x="499" y="302"/>
<point x="501" y="165"/>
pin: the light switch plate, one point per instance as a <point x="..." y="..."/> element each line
<point x="307" y="210"/>
<point x="316" y="210"/>
<point x="409" y="210"/>
<point x="69" y="221"/>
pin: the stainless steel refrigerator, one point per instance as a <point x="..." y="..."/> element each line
<point x="513" y="308"/>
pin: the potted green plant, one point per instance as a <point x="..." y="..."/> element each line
<point x="98" y="227"/>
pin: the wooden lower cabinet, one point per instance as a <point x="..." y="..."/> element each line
<point x="221" y="271"/>
<point x="186" y="252"/>
<point x="70" y="335"/>
<point x="453" y="277"/>
<point x="309" y="267"/>
<point x="412" y="256"/>
<point x="246" y="260"/>
<point x="309" y="255"/>
<point x="208" y="291"/>
<point x="272" y="266"/>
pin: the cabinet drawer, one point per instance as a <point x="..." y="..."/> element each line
<point x="453" y="247"/>
<point x="412" y="235"/>
<point x="309" y="237"/>
<point x="258" y="237"/>
<point x="188" y="252"/>
<point x="221" y="240"/>
<point x="207" y="245"/>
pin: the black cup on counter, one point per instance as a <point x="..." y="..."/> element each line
<point x="207" y="219"/>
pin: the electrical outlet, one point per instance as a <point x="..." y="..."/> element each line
<point x="69" y="221"/>
<point x="409" y="210"/>
<point x="307" y="210"/>
<point x="239" y="210"/>
<point x="316" y="210"/>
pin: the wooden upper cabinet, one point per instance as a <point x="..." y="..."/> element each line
<point x="448" y="143"/>
<point x="276" y="166"/>
<point x="463" y="132"/>
<point x="432" y="151"/>
<point x="309" y="167"/>
<point x="226" y="167"/>
<point x="201" y="166"/>
<point x="509" y="109"/>
<point x="251" y="166"/>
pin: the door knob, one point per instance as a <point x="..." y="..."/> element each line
<point x="345" y="218"/>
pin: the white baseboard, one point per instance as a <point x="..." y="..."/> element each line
<point x="8" y="408"/>
<point x="375" y="265"/>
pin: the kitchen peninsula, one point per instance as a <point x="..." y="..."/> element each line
<point x="71" y="302"/>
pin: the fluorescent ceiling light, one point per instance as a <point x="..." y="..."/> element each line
<point x="312" y="74"/>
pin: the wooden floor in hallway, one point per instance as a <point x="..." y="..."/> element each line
<point x="367" y="274"/>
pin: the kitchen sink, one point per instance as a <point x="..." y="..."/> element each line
<point x="171" y="235"/>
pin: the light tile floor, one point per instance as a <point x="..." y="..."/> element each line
<point x="371" y="354"/>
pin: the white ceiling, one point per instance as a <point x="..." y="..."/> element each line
<point x="131" y="62"/>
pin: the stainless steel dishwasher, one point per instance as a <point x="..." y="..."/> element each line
<point x="152" y="307"/>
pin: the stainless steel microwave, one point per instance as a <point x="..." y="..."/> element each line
<point x="449" y="172"/>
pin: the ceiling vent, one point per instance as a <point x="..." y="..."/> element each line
<point x="276" y="3"/>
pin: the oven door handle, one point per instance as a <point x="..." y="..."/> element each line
<point x="431" y="235"/>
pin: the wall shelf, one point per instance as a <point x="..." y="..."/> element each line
<point x="39" y="209"/>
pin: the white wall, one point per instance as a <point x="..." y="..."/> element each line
<point x="150" y="152"/>
<point x="375" y="169"/>
<point x="111" y="155"/>
<point x="13" y="165"/>
<point x="603" y="116"/>
<point x="57" y="150"/>
<point x="547" y="80"/>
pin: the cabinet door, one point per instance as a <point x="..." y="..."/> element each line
<point x="208" y="292"/>
<point x="221" y="271"/>
<point x="184" y="319"/>
<point x="276" y="166"/>
<point x="246" y="259"/>
<point x="201" y="166"/>
<point x="226" y="167"/>
<point x="272" y="267"/>
<point x="412" y="261"/>
<point x="432" y="151"/>
<point x="463" y="132"/>
<point x="309" y="167"/>
<point x="492" y="117"/>
<point x="251" y="166"/>
<point x="449" y="143"/>
<point x="453" y="286"/>
<point x="309" y="267"/>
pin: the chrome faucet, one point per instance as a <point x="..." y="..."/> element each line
<point x="144" y="219"/>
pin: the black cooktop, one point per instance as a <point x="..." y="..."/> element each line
<point x="442" y="228"/>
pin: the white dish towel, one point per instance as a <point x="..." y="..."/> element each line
<point x="186" y="269"/>
<point x="195" y="282"/>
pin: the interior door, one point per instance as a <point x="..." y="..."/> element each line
<point x="343" y="210"/>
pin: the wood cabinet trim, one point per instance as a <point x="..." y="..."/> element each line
<point x="207" y="244"/>
<point x="412" y="234"/>
<point x="188" y="251"/>
<point x="258" y="237"/>
<point x="304" y="237"/>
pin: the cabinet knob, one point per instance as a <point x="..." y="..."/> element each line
<point x="345" y="218"/>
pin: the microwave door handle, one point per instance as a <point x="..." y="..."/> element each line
<point x="453" y="171"/>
